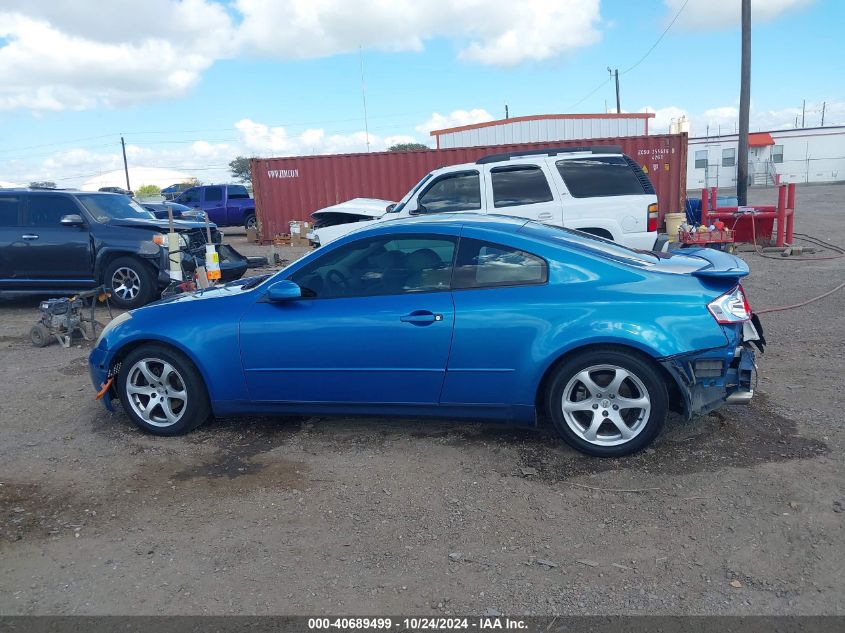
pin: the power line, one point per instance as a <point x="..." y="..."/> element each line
<point x="653" y="46"/>
<point x="589" y="94"/>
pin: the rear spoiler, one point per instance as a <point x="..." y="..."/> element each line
<point x="719" y="264"/>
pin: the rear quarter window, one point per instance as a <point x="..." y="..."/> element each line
<point x="585" y="242"/>
<point x="596" y="176"/>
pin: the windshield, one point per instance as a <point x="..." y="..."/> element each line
<point x="105" y="207"/>
<point x="409" y="195"/>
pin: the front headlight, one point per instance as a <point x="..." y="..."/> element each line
<point x="120" y="318"/>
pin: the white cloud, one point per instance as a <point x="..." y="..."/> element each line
<point x="663" y="118"/>
<point x="259" y="139"/>
<point x="57" y="55"/>
<point x="726" y="13"/>
<point x="456" y="118"/>
<point x="498" y="32"/>
<point x="725" y="119"/>
<point x="54" y="59"/>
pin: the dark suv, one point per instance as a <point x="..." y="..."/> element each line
<point x="63" y="241"/>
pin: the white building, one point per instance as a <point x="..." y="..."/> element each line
<point x="800" y="155"/>
<point x="544" y="127"/>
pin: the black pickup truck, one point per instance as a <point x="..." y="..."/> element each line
<point x="64" y="241"/>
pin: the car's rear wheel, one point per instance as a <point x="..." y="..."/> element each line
<point x="162" y="391"/>
<point x="130" y="281"/>
<point x="250" y="222"/>
<point x="607" y="402"/>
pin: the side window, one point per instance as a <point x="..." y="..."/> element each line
<point x="10" y="206"/>
<point x="599" y="176"/>
<point x="189" y="197"/>
<point x="237" y="192"/>
<point x="513" y="186"/>
<point x="777" y="153"/>
<point x="486" y="265"/>
<point x="48" y="210"/>
<point x="728" y="157"/>
<point x="701" y="159"/>
<point x="213" y="194"/>
<point x="460" y="191"/>
<point x="380" y="266"/>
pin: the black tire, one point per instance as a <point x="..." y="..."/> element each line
<point x="125" y="270"/>
<point x="196" y="408"/>
<point x="250" y="221"/>
<point x="39" y="335"/>
<point x="603" y="409"/>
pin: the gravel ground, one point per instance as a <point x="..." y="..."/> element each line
<point x="740" y="512"/>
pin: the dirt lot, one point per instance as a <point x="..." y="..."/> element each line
<point x="740" y="512"/>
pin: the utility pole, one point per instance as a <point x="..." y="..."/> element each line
<point x="364" y="97"/>
<point x="824" y="103"/>
<point x="125" y="166"/>
<point x="803" y="110"/>
<point x="615" y="73"/>
<point x="744" y="103"/>
<point x="507" y="116"/>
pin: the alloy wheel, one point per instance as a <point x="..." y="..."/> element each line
<point x="126" y="283"/>
<point x="156" y="392"/>
<point x="606" y="405"/>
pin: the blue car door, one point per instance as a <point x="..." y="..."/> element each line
<point x="500" y="314"/>
<point x="374" y="326"/>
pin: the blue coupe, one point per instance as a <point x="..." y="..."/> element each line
<point x="453" y="316"/>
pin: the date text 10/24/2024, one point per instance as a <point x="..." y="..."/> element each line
<point x="484" y="623"/>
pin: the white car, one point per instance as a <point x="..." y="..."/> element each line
<point x="597" y="190"/>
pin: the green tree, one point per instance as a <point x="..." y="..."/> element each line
<point x="148" y="191"/>
<point x="44" y="184"/>
<point x="192" y="182"/>
<point x="240" y="168"/>
<point x="407" y="147"/>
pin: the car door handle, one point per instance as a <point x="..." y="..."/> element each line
<point x="29" y="236"/>
<point x="421" y="317"/>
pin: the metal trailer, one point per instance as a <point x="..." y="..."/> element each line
<point x="291" y="188"/>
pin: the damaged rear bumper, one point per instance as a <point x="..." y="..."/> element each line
<point x="710" y="379"/>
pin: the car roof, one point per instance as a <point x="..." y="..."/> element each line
<point x="72" y="192"/>
<point x="455" y="220"/>
<point x="536" y="155"/>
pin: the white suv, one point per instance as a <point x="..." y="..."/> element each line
<point x="598" y="190"/>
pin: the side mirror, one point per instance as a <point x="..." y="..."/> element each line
<point x="72" y="220"/>
<point x="390" y="208"/>
<point x="284" y="290"/>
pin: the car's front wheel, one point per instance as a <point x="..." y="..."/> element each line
<point x="607" y="402"/>
<point x="162" y="391"/>
<point x="131" y="282"/>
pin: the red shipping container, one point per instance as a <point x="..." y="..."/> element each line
<point x="291" y="188"/>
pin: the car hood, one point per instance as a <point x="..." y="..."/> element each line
<point x="371" y="207"/>
<point x="159" y="224"/>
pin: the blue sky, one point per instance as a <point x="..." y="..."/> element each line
<point x="273" y="78"/>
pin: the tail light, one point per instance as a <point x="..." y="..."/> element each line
<point x="731" y="307"/>
<point x="652" y="217"/>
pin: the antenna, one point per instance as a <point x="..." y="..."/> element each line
<point x="364" y="96"/>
